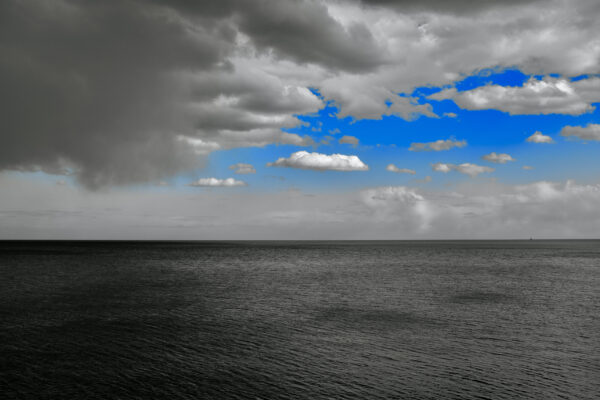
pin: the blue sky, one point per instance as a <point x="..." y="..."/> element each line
<point x="387" y="140"/>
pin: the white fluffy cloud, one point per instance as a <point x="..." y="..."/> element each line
<point x="499" y="158"/>
<point x="465" y="168"/>
<point x="539" y="137"/>
<point x="321" y="162"/>
<point x="214" y="182"/>
<point x="588" y="132"/>
<point x="442" y="167"/>
<point x="393" y="168"/>
<point x="545" y="96"/>
<point x="438" y="145"/>
<point x="243" y="168"/>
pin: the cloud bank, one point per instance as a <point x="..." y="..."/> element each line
<point x="470" y="211"/>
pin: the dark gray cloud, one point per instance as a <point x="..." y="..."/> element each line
<point x="105" y="90"/>
<point x="305" y="31"/>
<point x="93" y="86"/>
<point x="446" y="6"/>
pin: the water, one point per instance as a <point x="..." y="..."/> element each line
<point x="297" y="320"/>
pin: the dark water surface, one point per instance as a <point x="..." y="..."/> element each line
<point x="300" y="320"/>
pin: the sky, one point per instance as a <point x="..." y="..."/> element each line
<point x="299" y="119"/>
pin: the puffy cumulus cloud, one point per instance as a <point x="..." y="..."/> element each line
<point x="588" y="132"/>
<point x="349" y="140"/>
<point x="438" y="145"/>
<point x="465" y="168"/>
<point x="321" y="162"/>
<point x="546" y="96"/>
<point x="499" y="158"/>
<point x="441" y="167"/>
<point x="393" y="168"/>
<point x="214" y="182"/>
<point x="539" y="137"/>
<point x="400" y="203"/>
<point x="243" y="168"/>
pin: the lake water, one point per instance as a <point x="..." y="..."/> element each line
<point x="300" y="320"/>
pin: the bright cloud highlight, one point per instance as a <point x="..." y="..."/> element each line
<point x="321" y="162"/>
<point x="546" y="96"/>
<point x="538" y="137"/>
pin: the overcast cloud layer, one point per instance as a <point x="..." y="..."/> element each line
<point x="119" y="92"/>
<point x="34" y="209"/>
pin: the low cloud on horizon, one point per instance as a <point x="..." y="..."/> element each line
<point x="471" y="211"/>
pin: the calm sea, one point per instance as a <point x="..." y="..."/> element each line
<point x="300" y="320"/>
